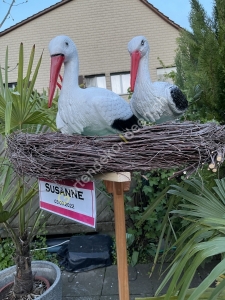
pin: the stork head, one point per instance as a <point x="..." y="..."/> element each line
<point x="137" y="47"/>
<point x="62" y="49"/>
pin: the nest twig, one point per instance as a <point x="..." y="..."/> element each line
<point x="56" y="156"/>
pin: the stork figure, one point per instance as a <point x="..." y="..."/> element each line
<point x="152" y="101"/>
<point x="90" y="111"/>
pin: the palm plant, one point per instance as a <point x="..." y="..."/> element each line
<point x="21" y="108"/>
<point x="204" y="208"/>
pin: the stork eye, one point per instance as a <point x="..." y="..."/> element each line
<point x="142" y="43"/>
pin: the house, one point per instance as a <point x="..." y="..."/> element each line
<point x="101" y="30"/>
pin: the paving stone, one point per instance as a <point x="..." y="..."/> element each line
<point x="102" y="284"/>
<point x="110" y="284"/>
<point x="200" y="275"/>
<point x="116" y="297"/>
<point x="204" y="270"/>
<point x="137" y="297"/>
<point x="134" y="297"/>
<point x="82" y="298"/>
<point x="158" y="276"/>
<point x="139" y="282"/>
<point x="111" y="297"/>
<point x="82" y="284"/>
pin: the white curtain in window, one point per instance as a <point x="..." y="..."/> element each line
<point x="120" y="83"/>
<point x="116" y="84"/>
<point x="125" y="83"/>
<point x="97" y="81"/>
<point x="91" y="81"/>
<point x="101" y="82"/>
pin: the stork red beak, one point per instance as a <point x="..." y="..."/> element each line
<point x="135" y="59"/>
<point x="56" y="63"/>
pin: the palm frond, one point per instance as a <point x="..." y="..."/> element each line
<point x="21" y="108"/>
<point x="203" y="238"/>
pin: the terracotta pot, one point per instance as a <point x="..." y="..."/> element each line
<point x="7" y="287"/>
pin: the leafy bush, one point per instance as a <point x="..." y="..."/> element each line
<point x="7" y="251"/>
<point x="151" y="228"/>
<point x="143" y="237"/>
<point x="38" y="250"/>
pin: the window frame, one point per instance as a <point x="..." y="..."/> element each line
<point x="95" y="76"/>
<point x="122" y="87"/>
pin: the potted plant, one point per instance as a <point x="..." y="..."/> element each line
<point x="204" y="237"/>
<point x="22" y="108"/>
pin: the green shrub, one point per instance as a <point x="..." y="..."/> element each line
<point x="144" y="236"/>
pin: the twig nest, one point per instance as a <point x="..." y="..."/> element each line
<point x="56" y="156"/>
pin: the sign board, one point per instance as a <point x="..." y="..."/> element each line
<point x="70" y="199"/>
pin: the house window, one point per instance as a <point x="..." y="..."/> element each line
<point x="12" y="85"/>
<point x="163" y="72"/>
<point x="120" y="82"/>
<point x="95" y="81"/>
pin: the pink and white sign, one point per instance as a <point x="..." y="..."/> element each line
<point x="69" y="199"/>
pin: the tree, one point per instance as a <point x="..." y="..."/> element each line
<point x="9" y="10"/>
<point x="200" y="61"/>
<point x="21" y="108"/>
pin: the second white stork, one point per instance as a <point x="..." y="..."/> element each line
<point x="90" y="111"/>
<point x="153" y="101"/>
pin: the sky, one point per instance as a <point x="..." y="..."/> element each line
<point x="176" y="10"/>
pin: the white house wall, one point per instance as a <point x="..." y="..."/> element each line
<point x="100" y="29"/>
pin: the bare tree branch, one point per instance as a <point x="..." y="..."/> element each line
<point x="8" y="12"/>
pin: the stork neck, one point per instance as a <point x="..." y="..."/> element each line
<point x="143" y="74"/>
<point x="71" y="72"/>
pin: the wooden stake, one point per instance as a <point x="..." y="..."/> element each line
<point x="121" y="246"/>
<point x="117" y="184"/>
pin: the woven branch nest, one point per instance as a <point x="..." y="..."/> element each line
<point x="57" y="156"/>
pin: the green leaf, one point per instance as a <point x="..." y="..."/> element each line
<point x="4" y="216"/>
<point x="151" y="208"/>
<point x="134" y="258"/>
<point x="218" y="270"/>
<point x="218" y="291"/>
<point x="20" y="74"/>
<point x="21" y="108"/>
<point x="203" y="238"/>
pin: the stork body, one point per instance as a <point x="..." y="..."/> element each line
<point x="152" y="101"/>
<point x="90" y="111"/>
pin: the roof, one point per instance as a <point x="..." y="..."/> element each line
<point x="160" y="14"/>
<point x="63" y="2"/>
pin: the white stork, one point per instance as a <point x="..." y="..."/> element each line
<point x="90" y="111"/>
<point x="153" y="101"/>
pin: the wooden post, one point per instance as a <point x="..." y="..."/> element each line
<point x="117" y="183"/>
